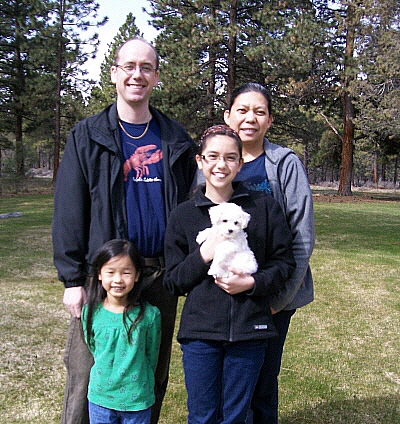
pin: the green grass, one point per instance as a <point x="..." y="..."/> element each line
<point x="341" y="356"/>
<point x="33" y="322"/>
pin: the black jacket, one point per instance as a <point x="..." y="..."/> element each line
<point x="209" y="312"/>
<point x="89" y="202"/>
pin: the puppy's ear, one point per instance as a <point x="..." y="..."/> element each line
<point x="215" y="214"/>
<point x="244" y="219"/>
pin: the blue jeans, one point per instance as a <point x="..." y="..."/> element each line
<point x="220" y="378"/>
<point x="100" y="415"/>
<point x="264" y="405"/>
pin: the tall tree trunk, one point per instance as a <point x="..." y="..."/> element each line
<point x="57" y="115"/>
<point x="18" y="108"/>
<point x="346" y="167"/>
<point x="19" y="145"/>
<point x="211" y="87"/>
<point x="231" y="78"/>
<point x="375" y="167"/>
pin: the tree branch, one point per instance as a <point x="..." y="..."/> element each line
<point x="331" y="126"/>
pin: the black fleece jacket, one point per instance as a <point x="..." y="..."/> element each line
<point x="210" y="313"/>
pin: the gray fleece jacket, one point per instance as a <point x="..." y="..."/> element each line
<point x="290" y="187"/>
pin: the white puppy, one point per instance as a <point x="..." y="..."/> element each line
<point x="234" y="251"/>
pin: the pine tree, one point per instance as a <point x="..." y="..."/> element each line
<point x="312" y="55"/>
<point x="69" y="17"/>
<point x="376" y="91"/>
<point x="20" y="24"/>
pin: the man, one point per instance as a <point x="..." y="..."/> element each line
<point x="122" y="172"/>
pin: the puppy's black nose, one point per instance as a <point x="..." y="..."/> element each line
<point x="230" y="231"/>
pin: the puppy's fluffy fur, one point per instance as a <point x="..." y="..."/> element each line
<point x="234" y="251"/>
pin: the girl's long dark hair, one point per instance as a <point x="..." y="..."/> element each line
<point x="96" y="293"/>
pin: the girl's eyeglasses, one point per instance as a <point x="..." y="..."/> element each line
<point x="212" y="158"/>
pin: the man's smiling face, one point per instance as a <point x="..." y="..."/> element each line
<point x="137" y="87"/>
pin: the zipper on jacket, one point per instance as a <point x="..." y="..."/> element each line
<point x="231" y="318"/>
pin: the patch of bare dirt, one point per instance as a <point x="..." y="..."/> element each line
<point x="334" y="198"/>
<point x="323" y="194"/>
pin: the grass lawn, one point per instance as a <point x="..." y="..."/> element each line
<point x="341" y="360"/>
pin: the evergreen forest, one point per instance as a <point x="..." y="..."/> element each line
<point x="333" y="68"/>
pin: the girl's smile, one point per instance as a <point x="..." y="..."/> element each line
<point x="220" y="162"/>
<point x="118" y="277"/>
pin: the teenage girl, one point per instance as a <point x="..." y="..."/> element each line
<point x="123" y="334"/>
<point x="225" y="322"/>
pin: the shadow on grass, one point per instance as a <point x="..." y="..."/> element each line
<point x="380" y="410"/>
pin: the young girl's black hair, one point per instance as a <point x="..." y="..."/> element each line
<point x="96" y="293"/>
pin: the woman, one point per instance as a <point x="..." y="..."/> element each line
<point x="276" y="170"/>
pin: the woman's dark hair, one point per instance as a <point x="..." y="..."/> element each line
<point x="219" y="130"/>
<point x="96" y="293"/>
<point x="248" y="88"/>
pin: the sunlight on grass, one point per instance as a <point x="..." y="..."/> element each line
<point x="341" y="357"/>
<point x="343" y="345"/>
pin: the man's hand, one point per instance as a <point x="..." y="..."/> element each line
<point x="74" y="298"/>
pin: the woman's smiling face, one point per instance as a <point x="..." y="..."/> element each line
<point x="249" y="117"/>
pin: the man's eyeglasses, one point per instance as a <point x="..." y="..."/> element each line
<point x="213" y="158"/>
<point x="131" y="69"/>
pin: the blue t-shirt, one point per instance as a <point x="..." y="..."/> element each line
<point x="144" y="187"/>
<point x="254" y="175"/>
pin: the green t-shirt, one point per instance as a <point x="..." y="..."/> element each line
<point x="122" y="377"/>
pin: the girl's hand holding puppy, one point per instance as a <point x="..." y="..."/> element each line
<point x="207" y="248"/>
<point x="236" y="283"/>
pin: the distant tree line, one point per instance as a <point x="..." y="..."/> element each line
<point x="332" y="66"/>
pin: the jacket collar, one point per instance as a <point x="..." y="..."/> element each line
<point x="104" y="124"/>
<point x="201" y="200"/>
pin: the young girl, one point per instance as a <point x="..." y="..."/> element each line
<point x="226" y="321"/>
<point x="123" y="334"/>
